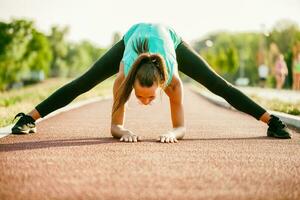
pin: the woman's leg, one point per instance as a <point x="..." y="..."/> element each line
<point x="104" y="67"/>
<point x="191" y="64"/>
<point x="297" y="79"/>
<point x="279" y="81"/>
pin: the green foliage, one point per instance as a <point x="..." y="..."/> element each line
<point x="25" y="50"/>
<point x="230" y="51"/>
<point x="59" y="49"/>
<point x="248" y="45"/>
<point x="41" y="54"/>
<point x="70" y="59"/>
<point x="278" y="105"/>
<point x="80" y="56"/>
<point x="228" y="55"/>
<point x="285" y="34"/>
<point x="14" y="55"/>
<point x="227" y="60"/>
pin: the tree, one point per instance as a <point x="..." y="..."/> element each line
<point x="222" y="56"/>
<point x="14" y="55"/>
<point x="25" y="51"/>
<point x="80" y="56"/>
<point x="59" y="48"/>
<point x="285" y="34"/>
<point x="40" y="51"/>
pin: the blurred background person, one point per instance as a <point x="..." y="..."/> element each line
<point x="296" y="72"/>
<point x="263" y="69"/>
<point x="263" y="72"/>
<point x="281" y="71"/>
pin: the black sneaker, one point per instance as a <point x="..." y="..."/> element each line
<point x="25" y="125"/>
<point x="278" y="129"/>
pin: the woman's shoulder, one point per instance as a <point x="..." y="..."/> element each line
<point x="174" y="88"/>
<point x="176" y="81"/>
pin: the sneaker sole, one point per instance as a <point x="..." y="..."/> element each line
<point x="29" y="131"/>
<point x="271" y="134"/>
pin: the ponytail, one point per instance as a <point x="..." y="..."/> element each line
<point x="141" y="46"/>
<point x="147" y="69"/>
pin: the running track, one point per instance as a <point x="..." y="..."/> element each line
<point x="225" y="155"/>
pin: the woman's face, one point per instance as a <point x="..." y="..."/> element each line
<point x="145" y="94"/>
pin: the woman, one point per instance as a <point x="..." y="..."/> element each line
<point x="281" y="71"/>
<point x="296" y="73"/>
<point x="263" y="72"/>
<point x="148" y="57"/>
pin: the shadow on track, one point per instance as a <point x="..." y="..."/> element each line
<point x="55" y="143"/>
<point x="224" y="138"/>
<point x="95" y="141"/>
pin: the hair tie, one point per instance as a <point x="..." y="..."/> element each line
<point x="155" y="62"/>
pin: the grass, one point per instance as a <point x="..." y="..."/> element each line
<point x="273" y="104"/>
<point x="277" y="105"/>
<point x="25" y="99"/>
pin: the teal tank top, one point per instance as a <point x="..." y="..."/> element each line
<point x="161" y="39"/>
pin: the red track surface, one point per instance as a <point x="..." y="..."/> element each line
<point x="225" y="155"/>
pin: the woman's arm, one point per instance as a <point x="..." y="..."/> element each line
<point x="118" y="116"/>
<point x="117" y="119"/>
<point x="175" y="94"/>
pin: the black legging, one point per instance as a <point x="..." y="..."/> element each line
<point x="103" y="68"/>
<point x="189" y="62"/>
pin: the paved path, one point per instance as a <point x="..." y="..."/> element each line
<point x="225" y="155"/>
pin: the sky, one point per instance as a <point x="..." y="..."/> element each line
<point x="97" y="20"/>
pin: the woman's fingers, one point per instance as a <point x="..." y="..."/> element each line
<point x="130" y="138"/>
<point x="134" y="138"/>
<point x="167" y="139"/>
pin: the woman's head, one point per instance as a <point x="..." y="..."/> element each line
<point x="145" y="94"/>
<point x="147" y="74"/>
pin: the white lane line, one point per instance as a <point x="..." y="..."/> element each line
<point x="5" y="131"/>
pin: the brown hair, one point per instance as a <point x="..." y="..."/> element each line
<point x="147" y="69"/>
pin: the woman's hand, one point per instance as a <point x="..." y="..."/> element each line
<point x="130" y="137"/>
<point x="172" y="136"/>
<point x="125" y="135"/>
